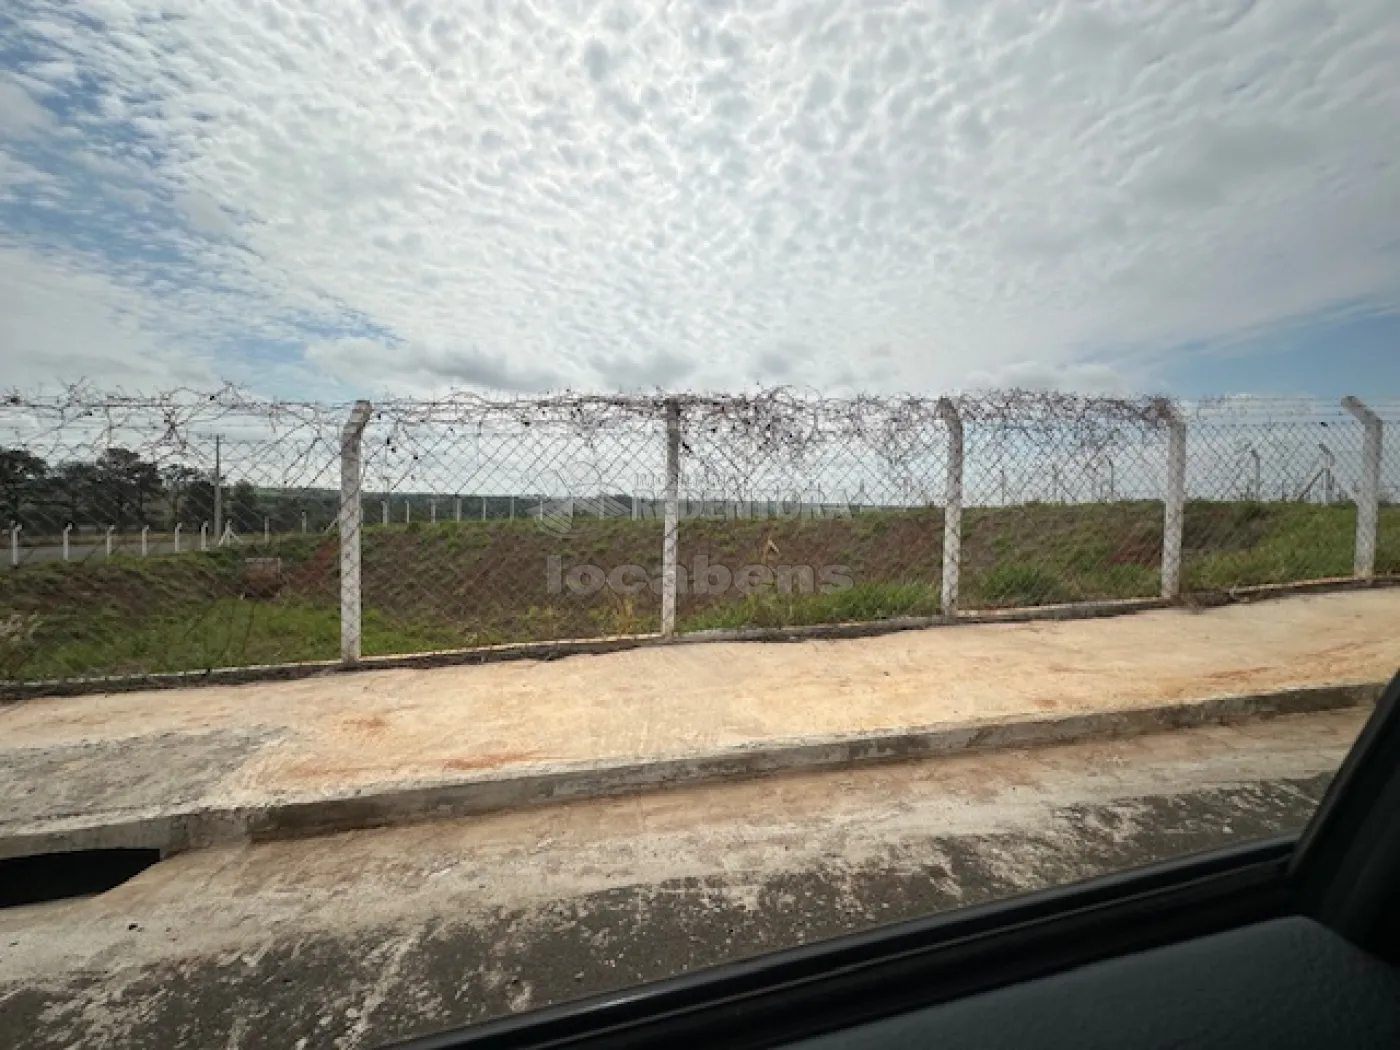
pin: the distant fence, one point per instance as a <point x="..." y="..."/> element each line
<point x="193" y="530"/>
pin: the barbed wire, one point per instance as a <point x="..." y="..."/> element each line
<point x="785" y="419"/>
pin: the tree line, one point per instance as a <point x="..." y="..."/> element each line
<point x="120" y="488"/>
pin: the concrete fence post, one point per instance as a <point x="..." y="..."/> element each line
<point x="177" y="540"/>
<point x="1368" y="489"/>
<point x="66" y="530"/>
<point x="110" y="529"/>
<point x="952" y="506"/>
<point x="671" y="528"/>
<point x="267" y="532"/>
<point x="204" y="535"/>
<point x="15" y="528"/>
<point x="145" y="540"/>
<point x="351" y="442"/>
<point x="1174" y="513"/>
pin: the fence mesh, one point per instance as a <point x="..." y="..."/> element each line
<point x="479" y="518"/>
<point x="127" y="558"/>
<point x="192" y="530"/>
<point x="809" y="512"/>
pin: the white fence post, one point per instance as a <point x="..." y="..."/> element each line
<point x="952" y="507"/>
<point x="1368" y="491"/>
<point x="15" y="528"/>
<point x="267" y="532"/>
<point x="110" y="529"/>
<point x="668" y="541"/>
<point x="204" y="535"/>
<point x="145" y="540"/>
<point x="66" y="530"/>
<point x="1174" y="515"/>
<point x="177" y="541"/>
<point x="350" y="514"/>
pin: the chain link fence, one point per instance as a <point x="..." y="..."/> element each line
<point x="194" y="531"/>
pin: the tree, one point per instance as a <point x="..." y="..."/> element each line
<point x="245" y="509"/>
<point x="22" y="476"/>
<point x="181" y="483"/>
<point x="125" y="481"/>
<point x="74" y="489"/>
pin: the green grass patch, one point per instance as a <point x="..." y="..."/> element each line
<point x="859" y="603"/>
<point x="228" y="632"/>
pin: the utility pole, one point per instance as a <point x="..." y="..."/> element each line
<point x="218" y="487"/>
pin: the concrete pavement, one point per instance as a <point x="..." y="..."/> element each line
<point x="356" y="940"/>
<point x="192" y="767"/>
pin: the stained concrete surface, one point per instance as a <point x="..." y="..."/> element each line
<point x="123" y="775"/>
<point x="360" y="939"/>
<point x="411" y="730"/>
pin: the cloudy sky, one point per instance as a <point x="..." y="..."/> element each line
<point x="326" y="197"/>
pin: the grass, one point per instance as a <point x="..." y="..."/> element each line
<point x="863" y="601"/>
<point x="448" y="585"/>
<point x="227" y="632"/>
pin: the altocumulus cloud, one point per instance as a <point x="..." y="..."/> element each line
<point x="378" y="194"/>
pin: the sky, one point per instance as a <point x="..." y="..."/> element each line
<point x="333" y="198"/>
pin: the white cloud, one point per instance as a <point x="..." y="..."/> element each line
<point x="20" y="114"/>
<point x="373" y="365"/>
<point x="61" y="322"/>
<point x="628" y="195"/>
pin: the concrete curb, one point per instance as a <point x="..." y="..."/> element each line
<point x="406" y="803"/>
<point x="17" y="692"/>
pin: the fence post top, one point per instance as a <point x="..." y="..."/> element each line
<point x="948" y="411"/>
<point x="1358" y="408"/>
<point x="359" y="416"/>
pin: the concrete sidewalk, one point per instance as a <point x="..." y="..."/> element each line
<point x="191" y="767"/>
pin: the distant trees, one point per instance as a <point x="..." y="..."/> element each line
<point x="125" y="481"/>
<point x="245" y="509"/>
<point x="185" y="486"/>
<point x="73" y="490"/>
<point x="122" y="488"/>
<point x="22" y="475"/>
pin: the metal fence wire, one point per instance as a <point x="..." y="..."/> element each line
<point x="199" y="530"/>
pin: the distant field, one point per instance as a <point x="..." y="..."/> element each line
<point x="472" y="583"/>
